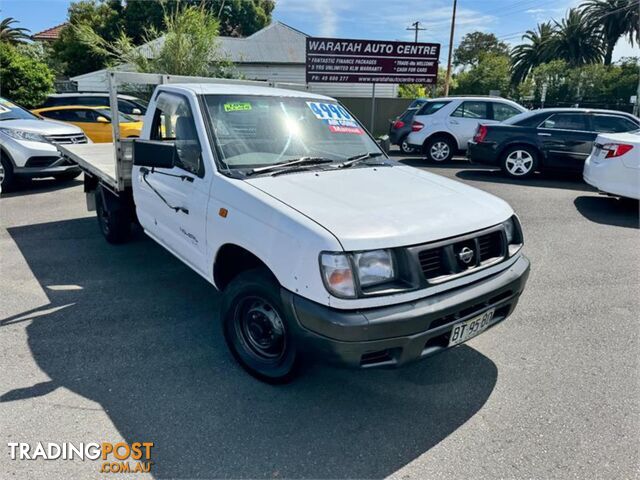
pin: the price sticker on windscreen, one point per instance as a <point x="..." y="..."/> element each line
<point x="336" y="117"/>
<point x="237" y="107"/>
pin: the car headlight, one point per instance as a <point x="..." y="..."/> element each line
<point x="23" y="135"/>
<point x="370" y="268"/>
<point x="337" y="274"/>
<point x="513" y="232"/>
<point x="374" y="267"/>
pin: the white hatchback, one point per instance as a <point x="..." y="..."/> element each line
<point x="443" y="126"/>
<point x="614" y="164"/>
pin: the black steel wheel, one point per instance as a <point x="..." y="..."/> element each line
<point x="256" y="328"/>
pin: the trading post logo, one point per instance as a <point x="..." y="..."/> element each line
<point x="114" y="457"/>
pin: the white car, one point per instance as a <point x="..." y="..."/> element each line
<point x="614" y="164"/>
<point x="444" y="126"/>
<point x="28" y="146"/>
<point x="318" y="240"/>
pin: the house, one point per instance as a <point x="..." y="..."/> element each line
<point x="275" y="53"/>
<point x="50" y="34"/>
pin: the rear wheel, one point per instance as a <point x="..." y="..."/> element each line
<point x="519" y="162"/>
<point x="405" y="148"/>
<point x="114" y="218"/>
<point x="7" y="179"/>
<point x="440" y="149"/>
<point x="256" y="328"/>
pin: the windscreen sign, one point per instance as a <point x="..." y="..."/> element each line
<point x="335" y="60"/>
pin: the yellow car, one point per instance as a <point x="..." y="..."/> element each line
<point x="95" y="121"/>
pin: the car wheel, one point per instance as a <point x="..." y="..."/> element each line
<point x="66" y="176"/>
<point x="440" y="149"/>
<point x="519" y="162"/>
<point x="6" y="174"/>
<point x="405" y="148"/>
<point x="114" y="220"/>
<point x="256" y="328"/>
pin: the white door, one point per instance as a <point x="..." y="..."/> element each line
<point x="464" y="120"/>
<point x="177" y="198"/>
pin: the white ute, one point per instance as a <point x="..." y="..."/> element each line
<point x="322" y="246"/>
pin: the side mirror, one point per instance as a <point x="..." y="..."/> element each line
<point x="154" y="154"/>
<point x="136" y="111"/>
<point x="102" y="120"/>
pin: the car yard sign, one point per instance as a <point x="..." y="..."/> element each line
<point x="371" y="61"/>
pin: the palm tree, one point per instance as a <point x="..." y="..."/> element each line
<point x="12" y="34"/>
<point x="575" y="40"/>
<point x="614" y="19"/>
<point x="525" y="57"/>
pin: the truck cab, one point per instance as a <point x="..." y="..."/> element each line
<point x="322" y="246"/>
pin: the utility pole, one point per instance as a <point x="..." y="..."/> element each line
<point x="415" y="26"/>
<point x="453" y="26"/>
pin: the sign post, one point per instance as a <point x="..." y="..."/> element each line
<point x="337" y="60"/>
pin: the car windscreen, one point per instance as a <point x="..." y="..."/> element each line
<point x="256" y="130"/>
<point x="11" y="111"/>
<point x="432" y="107"/>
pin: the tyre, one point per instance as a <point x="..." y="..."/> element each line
<point x="7" y="179"/>
<point x="519" y="161"/>
<point x="114" y="218"/>
<point x="66" y="176"/>
<point x="440" y="149"/>
<point x="405" y="148"/>
<point x="256" y="328"/>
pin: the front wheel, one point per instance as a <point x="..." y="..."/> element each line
<point x="440" y="149"/>
<point x="519" y="162"/>
<point x="6" y="174"/>
<point x="256" y="327"/>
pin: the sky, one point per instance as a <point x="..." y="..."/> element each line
<point x="370" y="19"/>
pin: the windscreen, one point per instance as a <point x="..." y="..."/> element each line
<point x="254" y="131"/>
<point x="11" y="111"/>
<point x="122" y="118"/>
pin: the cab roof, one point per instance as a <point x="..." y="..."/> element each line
<point x="240" y="89"/>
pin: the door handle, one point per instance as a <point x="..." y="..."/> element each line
<point x="544" y="134"/>
<point x="454" y="122"/>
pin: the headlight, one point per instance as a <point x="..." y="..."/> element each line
<point x="513" y="232"/>
<point x="374" y="267"/>
<point x="371" y="268"/>
<point x="337" y="274"/>
<point x="23" y="135"/>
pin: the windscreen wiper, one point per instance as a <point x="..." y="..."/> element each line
<point x="291" y="163"/>
<point x="358" y="158"/>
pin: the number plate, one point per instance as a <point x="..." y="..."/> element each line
<point x="463" y="331"/>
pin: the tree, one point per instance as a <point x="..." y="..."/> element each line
<point x="69" y="51"/>
<point x="475" y="44"/>
<point x="412" y="90"/>
<point x="187" y="47"/>
<point x="25" y="80"/>
<point x="526" y="56"/>
<point x="12" y="34"/>
<point x="555" y="75"/>
<point x="490" y="73"/>
<point x="575" y="40"/>
<point x="614" y="19"/>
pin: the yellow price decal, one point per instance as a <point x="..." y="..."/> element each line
<point x="237" y="107"/>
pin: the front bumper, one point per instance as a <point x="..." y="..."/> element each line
<point x="398" y="334"/>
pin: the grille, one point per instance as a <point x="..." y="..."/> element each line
<point x="66" y="139"/>
<point x="461" y="256"/>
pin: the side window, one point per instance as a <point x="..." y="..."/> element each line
<point x="566" y="121"/>
<point x="475" y="110"/>
<point x="126" y="107"/>
<point x="70" y="116"/>
<point x="502" y="111"/>
<point x="93" y="101"/>
<point x="612" y="124"/>
<point x="173" y="121"/>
